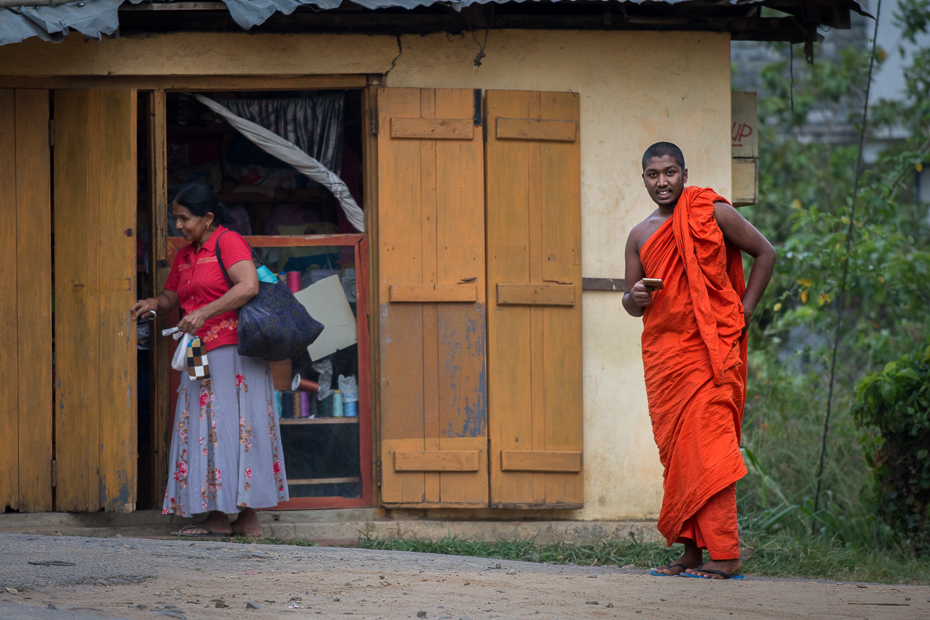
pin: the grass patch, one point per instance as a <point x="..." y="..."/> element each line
<point x="599" y="553"/>
<point x="817" y="558"/>
<point x="783" y="556"/>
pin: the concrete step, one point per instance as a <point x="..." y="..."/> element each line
<point x="334" y="526"/>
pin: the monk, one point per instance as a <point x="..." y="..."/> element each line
<point x="694" y="354"/>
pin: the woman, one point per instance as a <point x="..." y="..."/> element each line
<point x="226" y="452"/>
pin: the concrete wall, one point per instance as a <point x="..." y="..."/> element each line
<point x="636" y="89"/>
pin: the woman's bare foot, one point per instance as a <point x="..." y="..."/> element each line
<point x="215" y="523"/>
<point x="724" y="566"/>
<point x="690" y="559"/>
<point x="247" y="524"/>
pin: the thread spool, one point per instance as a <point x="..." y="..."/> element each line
<point x="295" y="404"/>
<point x="325" y="407"/>
<point x="304" y="385"/>
<point x="277" y="402"/>
<point x="338" y="411"/>
<point x="287" y="405"/>
<point x="304" y="405"/>
<point x="293" y="281"/>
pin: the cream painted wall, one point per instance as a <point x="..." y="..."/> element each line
<point x="636" y="88"/>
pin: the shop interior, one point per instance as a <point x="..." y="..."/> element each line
<point x="317" y="394"/>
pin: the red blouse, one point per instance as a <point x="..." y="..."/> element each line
<point x="198" y="280"/>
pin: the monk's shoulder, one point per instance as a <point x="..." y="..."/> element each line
<point x="638" y="234"/>
<point x="645" y="229"/>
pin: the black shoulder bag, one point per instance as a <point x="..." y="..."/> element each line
<point x="273" y="325"/>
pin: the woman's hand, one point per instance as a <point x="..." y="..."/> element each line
<point x="143" y="307"/>
<point x="191" y="323"/>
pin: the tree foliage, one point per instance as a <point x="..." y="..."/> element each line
<point x="809" y="122"/>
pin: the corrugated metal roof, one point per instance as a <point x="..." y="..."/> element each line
<point x="97" y="18"/>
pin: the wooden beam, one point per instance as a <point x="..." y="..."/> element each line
<point x="465" y="460"/>
<point x="540" y="460"/>
<point x="428" y="293"/>
<point x="617" y="285"/>
<point x="534" y="129"/>
<point x="536" y="294"/>
<point x="433" y="128"/>
<point x="304" y="241"/>
<point x="190" y="83"/>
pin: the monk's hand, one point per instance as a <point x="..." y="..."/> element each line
<point x="642" y="294"/>
<point x="191" y="323"/>
<point x="747" y="316"/>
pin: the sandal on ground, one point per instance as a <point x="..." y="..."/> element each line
<point x="205" y="531"/>
<point x="734" y="576"/>
<point x="670" y="567"/>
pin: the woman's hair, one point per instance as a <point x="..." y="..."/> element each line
<point x="199" y="200"/>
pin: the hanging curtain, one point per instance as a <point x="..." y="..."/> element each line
<point x="313" y="123"/>
<point x="292" y="155"/>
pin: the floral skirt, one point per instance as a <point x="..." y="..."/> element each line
<point x="226" y="446"/>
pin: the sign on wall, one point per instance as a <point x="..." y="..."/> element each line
<point x="744" y="141"/>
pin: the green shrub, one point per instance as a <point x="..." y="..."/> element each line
<point x="896" y="402"/>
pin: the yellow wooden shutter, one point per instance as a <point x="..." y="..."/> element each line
<point x="25" y="302"/>
<point x="432" y="299"/>
<point x="534" y="298"/>
<point x="95" y="263"/>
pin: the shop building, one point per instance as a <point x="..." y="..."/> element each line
<point x="495" y="153"/>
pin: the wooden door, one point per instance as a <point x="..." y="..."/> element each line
<point x="534" y="298"/>
<point x="432" y="313"/>
<point x="25" y="302"/>
<point x="95" y="339"/>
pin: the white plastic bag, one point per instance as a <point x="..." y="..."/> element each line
<point x="179" y="362"/>
<point x="349" y="388"/>
<point x="325" y="368"/>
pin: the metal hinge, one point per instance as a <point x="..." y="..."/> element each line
<point x="378" y="473"/>
<point x="54" y="473"/>
<point x="477" y="118"/>
<point x="51" y="132"/>
<point x="374" y="122"/>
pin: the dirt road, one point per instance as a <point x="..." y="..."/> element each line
<point x="156" y="579"/>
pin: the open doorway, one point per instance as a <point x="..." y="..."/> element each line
<point x="302" y="235"/>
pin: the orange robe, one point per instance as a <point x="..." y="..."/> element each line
<point x="695" y="366"/>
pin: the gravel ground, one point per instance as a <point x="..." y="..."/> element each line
<point x="145" y="579"/>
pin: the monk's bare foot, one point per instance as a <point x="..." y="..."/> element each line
<point x="690" y="559"/>
<point x="247" y="524"/>
<point x="728" y="567"/>
<point x="215" y="523"/>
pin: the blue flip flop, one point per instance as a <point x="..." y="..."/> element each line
<point x="655" y="574"/>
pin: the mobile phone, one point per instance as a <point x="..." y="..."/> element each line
<point x="655" y="283"/>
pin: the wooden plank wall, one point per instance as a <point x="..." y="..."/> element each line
<point x="159" y="408"/>
<point x="26" y="307"/>
<point x="95" y="194"/>
<point x="534" y="286"/>
<point x="9" y="390"/>
<point x="431" y="234"/>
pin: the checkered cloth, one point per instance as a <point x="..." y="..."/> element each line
<point x="197" y="366"/>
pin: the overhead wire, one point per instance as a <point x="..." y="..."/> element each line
<point x="841" y="290"/>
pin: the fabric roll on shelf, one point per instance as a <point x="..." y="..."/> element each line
<point x="304" y="385"/>
<point x="293" y="281"/>
<point x="287" y="405"/>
